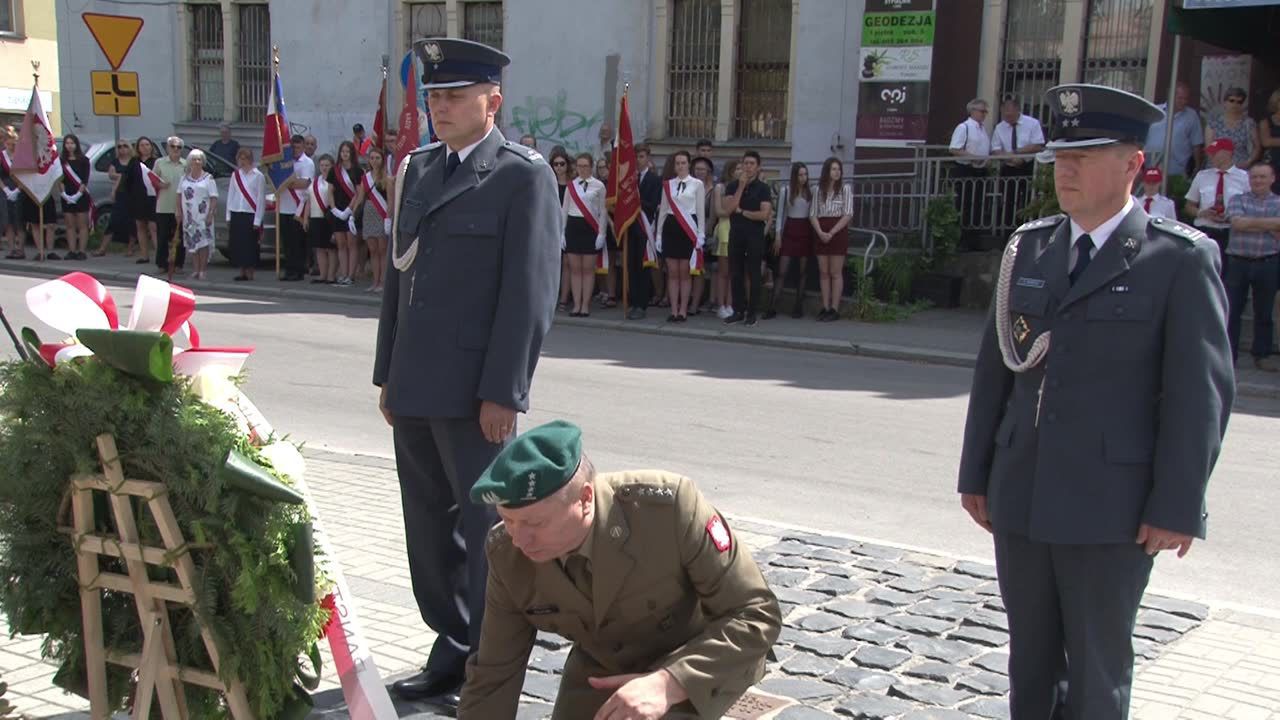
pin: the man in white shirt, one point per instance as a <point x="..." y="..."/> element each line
<point x="970" y="143"/>
<point x="1213" y="188"/>
<point x="1155" y="204"/>
<point x="1016" y="134"/>
<point x="288" y="198"/>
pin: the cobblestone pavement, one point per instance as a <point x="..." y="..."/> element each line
<point x="872" y="631"/>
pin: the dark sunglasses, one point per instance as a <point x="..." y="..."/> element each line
<point x="560" y="163"/>
<point x="122" y="147"/>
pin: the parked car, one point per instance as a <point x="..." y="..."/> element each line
<point x="100" y="155"/>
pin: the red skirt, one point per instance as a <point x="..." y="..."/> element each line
<point x="838" y="245"/>
<point x="797" y="238"/>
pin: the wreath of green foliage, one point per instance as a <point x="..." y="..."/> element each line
<point x="263" y="617"/>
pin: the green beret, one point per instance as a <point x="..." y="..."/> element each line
<point x="532" y="467"/>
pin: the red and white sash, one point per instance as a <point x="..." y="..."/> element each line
<point x="318" y="193"/>
<point x="602" y="257"/>
<point x="696" y="261"/>
<point x="345" y="181"/>
<point x="70" y="173"/>
<point x="6" y="162"/>
<point x="244" y="191"/>
<point x="374" y="196"/>
<point x="582" y="206"/>
<point x="150" y="180"/>
<point x="651" y="242"/>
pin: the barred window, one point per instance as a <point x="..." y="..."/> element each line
<point x="482" y="22"/>
<point x="207" y="81"/>
<point x="426" y="19"/>
<point x="1032" y="53"/>
<point x="8" y="17"/>
<point x="763" y="70"/>
<point x="253" y="61"/>
<point x="694" y="70"/>
<point x="1116" y="43"/>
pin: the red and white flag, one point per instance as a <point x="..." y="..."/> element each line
<point x="36" y="167"/>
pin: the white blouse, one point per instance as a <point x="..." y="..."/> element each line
<point x="326" y="194"/>
<point x="692" y="199"/>
<point x="256" y="184"/>
<point x="837" y="205"/>
<point x="593" y="196"/>
<point x="792" y="210"/>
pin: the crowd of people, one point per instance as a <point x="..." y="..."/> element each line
<point x="165" y="204"/>
<point x="705" y="242"/>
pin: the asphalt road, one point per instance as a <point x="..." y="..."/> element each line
<point x="852" y="445"/>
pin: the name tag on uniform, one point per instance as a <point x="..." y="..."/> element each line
<point x="543" y="610"/>
<point x="1119" y="288"/>
<point x="1030" y="282"/>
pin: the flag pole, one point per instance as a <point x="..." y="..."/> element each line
<point x="275" y="65"/>
<point x="626" y="240"/>
<point x="35" y="73"/>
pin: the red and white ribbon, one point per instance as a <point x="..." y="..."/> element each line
<point x="344" y="179"/>
<point x="371" y="192"/>
<point x="77" y="300"/>
<point x="150" y="180"/>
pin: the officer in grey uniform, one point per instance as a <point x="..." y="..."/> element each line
<point x="1099" y="402"/>
<point x="470" y="294"/>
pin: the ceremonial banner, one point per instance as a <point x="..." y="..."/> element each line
<point x="897" y="63"/>
<point x="36" y="167"/>
<point x="624" y="177"/>
<point x="277" y="150"/>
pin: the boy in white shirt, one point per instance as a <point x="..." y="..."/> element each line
<point x="1151" y="200"/>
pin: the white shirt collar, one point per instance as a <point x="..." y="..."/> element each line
<point x="464" y="152"/>
<point x="1103" y="232"/>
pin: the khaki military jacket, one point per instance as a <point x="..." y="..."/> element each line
<point x="671" y="588"/>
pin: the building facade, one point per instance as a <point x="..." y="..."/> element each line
<point x="28" y="33"/>
<point x="781" y="76"/>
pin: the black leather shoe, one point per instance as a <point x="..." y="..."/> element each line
<point x="429" y="686"/>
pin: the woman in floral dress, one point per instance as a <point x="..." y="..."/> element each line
<point x="197" y="203"/>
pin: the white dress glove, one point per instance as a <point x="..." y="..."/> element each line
<point x="599" y="242"/>
<point x="341" y="214"/>
<point x="702" y="242"/>
<point x="11" y="195"/>
<point x="658" y="245"/>
<point x="386" y="226"/>
<point x="351" y="223"/>
<point x="563" y="246"/>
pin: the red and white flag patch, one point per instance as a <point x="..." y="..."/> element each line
<point x="719" y="533"/>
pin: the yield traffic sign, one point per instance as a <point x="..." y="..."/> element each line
<point x="114" y="33"/>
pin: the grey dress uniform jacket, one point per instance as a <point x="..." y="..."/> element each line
<point x="1137" y="388"/>
<point x="466" y="321"/>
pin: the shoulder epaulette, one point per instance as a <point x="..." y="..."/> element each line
<point x="1041" y="223"/>
<point x="528" y="153"/>
<point x="647" y="490"/>
<point x="498" y="535"/>
<point x="1173" y="228"/>
<point x="428" y="147"/>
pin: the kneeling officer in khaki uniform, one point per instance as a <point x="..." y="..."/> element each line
<point x="667" y="611"/>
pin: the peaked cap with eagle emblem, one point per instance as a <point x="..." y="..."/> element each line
<point x="1094" y="115"/>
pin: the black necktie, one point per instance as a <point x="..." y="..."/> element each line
<point x="680" y="187"/>
<point x="584" y="186"/>
<point x="1013" y="131"/>
<point x="1083" y="245"/>
<point x="451" y="164"/>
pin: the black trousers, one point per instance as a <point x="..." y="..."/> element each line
<point x="293" y="241"/>
<point x="639" y="280"/>
<point x="438" y="460"/>
<point x="166" y="224"/>
<point x="1071" y="610"/>
<point x="745" y="255"/>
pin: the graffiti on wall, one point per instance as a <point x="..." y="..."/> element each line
<point x="552" y="122"/>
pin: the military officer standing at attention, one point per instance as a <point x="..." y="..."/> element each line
<point x="1088" y="454"/>
<point x="668" y="613"/>
<point x="470" y="292"/>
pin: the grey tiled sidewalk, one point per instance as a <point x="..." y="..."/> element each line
<point x="872" y="631"/>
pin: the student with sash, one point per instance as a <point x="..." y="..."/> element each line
<point x="32" y="219"/>
<point x="246" y="200"/>
<point x="10" y="215"/>
<point x="680" y="233"/>
<point x="141" y="185"/>
<point x="197" y="208"/>
<point x="344" y="179"/>
<point x="171" y="169"/>
<point x="830" y="214"/>
<point x="289" y="198"/>
<point x="76" y="203"/>
<point x="318" y="220"/>
<point x="583" y="218"/>
<point x="371" y="204"/>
